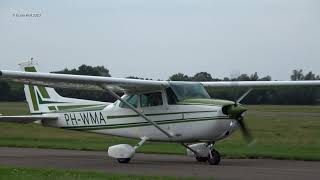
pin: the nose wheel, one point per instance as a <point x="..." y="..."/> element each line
<point x="214" y="157"/>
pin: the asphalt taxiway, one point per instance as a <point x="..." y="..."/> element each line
<point x="160" y="164"/>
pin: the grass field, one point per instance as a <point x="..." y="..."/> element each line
<point x="14" y="173"/>
<point x="282" y="134"/>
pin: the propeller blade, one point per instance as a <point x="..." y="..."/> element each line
<point x="243" y="96"/>
<point x="245" y="132"/>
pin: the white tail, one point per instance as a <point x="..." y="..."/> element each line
<point x="44" y="99"/>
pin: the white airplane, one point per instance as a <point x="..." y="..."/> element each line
<point x="168" y="111"/>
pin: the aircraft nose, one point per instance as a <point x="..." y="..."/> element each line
<point x="234" y="110"/>
<point x="233" y="126"/>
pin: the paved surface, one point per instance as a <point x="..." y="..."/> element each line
<point x="157" y="164"/>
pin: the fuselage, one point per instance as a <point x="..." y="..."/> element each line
<point x="190" y="122"/>
<point x="184" y="110"/>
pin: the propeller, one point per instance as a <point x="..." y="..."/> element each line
<point x="238" y="110"/>
<point x="243" y="96"/>
<point x="245" y="132"/>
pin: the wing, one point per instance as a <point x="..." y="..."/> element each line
<point x="82" y="81"/>
<point x="126" y="85"/>
<point x="253" y="84"/>
<point x="26" y="119"/>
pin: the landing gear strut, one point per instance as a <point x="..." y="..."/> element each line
<point x="214" y="156"/>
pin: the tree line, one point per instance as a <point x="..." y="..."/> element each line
<point x="286" y="95"/>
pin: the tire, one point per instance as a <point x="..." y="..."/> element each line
<point x="123" y="160"/>
<point x="202" y="159"/>
<point x="215" y="160"/>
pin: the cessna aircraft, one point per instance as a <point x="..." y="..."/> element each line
<point x="169" y="111"/>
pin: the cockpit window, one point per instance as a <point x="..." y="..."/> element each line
<point x="151" y="99"/>
<point x="189" y="91"/>
<point x="133" y="100"/>
<point x="172" y="98"/>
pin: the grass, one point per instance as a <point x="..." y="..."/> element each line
<point x="286" y="108"/>
<point x="277" y="136"/>
<point x="14" y="173"/>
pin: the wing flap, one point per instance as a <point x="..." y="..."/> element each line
<point x="26" y="118"/>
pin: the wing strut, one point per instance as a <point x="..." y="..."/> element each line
<point x="170" y="135"/>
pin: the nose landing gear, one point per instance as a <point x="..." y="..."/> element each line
<point x="204" y="152"/>
<point x="214" y="157"/>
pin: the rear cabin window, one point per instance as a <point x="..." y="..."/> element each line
<point x="133" y="100"/>
<point x="151" y="99"/>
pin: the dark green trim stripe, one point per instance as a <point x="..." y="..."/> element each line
<point x="52" y="108"/>
<point x="33" y="98"/>
<point x="158" y="114"/>
<point x="37" y="113"/>
<point x="44" y="93"/>
<point x="30" y="69"/>
<point x="44" y="102"/>
<point x="199" y="104"/>
<point x="98" y="108"/>
<point x="127" y="125"/>
<point x="78" y="106"/>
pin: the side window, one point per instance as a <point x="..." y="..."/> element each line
<point x="172" y="98"/>
<point x="133" y="100"/>
<point x="151" y="99"/>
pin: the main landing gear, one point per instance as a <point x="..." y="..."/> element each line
<point x="124" y="152"/>
<point x="204" y="152"/>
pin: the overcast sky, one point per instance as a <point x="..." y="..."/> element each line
<point x="155" y="39"/>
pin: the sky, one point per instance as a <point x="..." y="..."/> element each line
<point x="155" y="39"/>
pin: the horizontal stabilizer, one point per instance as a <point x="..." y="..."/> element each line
<point x="26" y="119"/>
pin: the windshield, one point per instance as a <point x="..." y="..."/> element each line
<point x="189" y="91"/>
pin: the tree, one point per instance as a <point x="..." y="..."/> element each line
<point x="297" y="75"/>
<point x="87" y="70"/>
<point x="254" y="77"/>
<point x="4" y="91"/>
<point x="310" y="76"/>
<point x="179" y="77"/>
<point x="136" y="77"/>
<point x="202" y="76"/>
<point x="84" y="94"/>
<point x="243" y="77"/>
<point x="266" y="78"/>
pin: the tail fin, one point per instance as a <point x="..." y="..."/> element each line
<point x="45" y="100"/>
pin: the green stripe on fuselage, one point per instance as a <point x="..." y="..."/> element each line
<point x="210" y="102"/>
<point x="77" y="106"/>
<point x="128" y="125"/>
<point x="158" y="114"/>
<point x="52" y="108"/>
